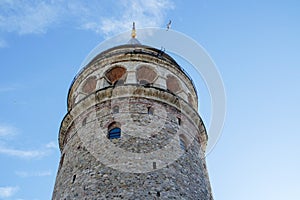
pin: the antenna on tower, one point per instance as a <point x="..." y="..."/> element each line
<point x="133" y="32"/>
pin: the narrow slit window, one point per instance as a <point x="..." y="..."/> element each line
<point x="178" y="121"/>
<point x="74" y="178"/>
<point x="158" y="194"/>
<point x="182" y="144"/>
<point x="150" y="110"/>
<point x="154" y="165"/>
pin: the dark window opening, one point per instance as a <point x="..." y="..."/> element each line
<point x="150" y="110"/>
<point x="179" y="121"/>
<point x="158" y="194"/>
<point x="74" y="177"/>
<point x="114" y="133"/>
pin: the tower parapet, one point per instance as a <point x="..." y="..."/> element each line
<point x="137" y="64"/>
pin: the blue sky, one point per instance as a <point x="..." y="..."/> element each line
<point x="255" y="45"/>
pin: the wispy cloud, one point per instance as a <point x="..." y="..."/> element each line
<point x="27" y="154"/>
<point x="52" y="145"/>
<point x="36" y="17"/>
<point x="25" y="174"/>
<point x="7" y="131"/>
<point x="6" y="192"/>
<point x="26" y="17"/>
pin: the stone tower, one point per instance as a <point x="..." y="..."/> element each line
<point x="132" y="130"/>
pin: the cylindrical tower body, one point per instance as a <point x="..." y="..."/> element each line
<point x="132" y="130"/>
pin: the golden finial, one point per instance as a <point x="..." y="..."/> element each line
<point x="133" y="32"/>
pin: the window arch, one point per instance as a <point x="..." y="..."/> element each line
<point x="145" y="75"/>
<point x="150" y="110"/>
<point x="114" y="131"/>
<point x="89" y="84"/>
<point x="173" y="84"/>
<point x="116" y="75"/>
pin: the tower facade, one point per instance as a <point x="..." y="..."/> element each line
<point x="132" y="130"/>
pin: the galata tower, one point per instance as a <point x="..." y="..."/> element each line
<point x="132" y="130"/>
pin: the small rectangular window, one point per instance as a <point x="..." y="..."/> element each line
<point x="154" y="165"/>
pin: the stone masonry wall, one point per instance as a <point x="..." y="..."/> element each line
<point x="94" y="167"/>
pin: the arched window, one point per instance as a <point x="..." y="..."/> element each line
<point x="182" y="143"/>
<point x="145" y="75"/>
<point x="116" y="75"/>
<point x="114" y="131"/>
<point x="150" y="110"/>
<point x="89" y="85"/>
<point x="115" y="109"/>
<point x="173" y="84"/>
